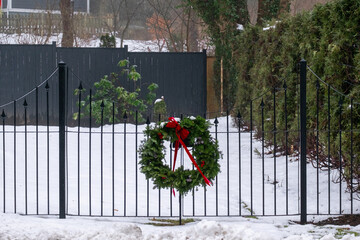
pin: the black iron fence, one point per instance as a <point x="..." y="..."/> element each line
<point x="92" y="170"/>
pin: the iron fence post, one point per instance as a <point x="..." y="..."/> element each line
<point x="303" y="210"/>
<point x="62" y="192"/>
<point x="205" y="79"/>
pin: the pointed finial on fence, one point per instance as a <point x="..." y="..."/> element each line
<point x="238" y="115"/>
<point x="80" y="86"/>
<point x="102" y="105"/>
<point x="317" y="85"/>
<point x="216" y="121"/>
<point x="284" y="85"/>
<point x="262" y="105"/>
<point x="25" y="104"/>
<point x="47" y="86"/>
<point x="341" y="101"/>
<point x="3" y="115"/>
<point x="125" y="115"/>
<point x="147" y="120"/>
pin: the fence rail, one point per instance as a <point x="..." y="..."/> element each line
<point x="93" y="170"/>
<point x="48" y="24"/>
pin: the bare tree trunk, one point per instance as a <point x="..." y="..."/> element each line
<point x="123" y="33"/>
<point x="284" y="6"/>
<point x="115" y="20"/>
<point x="68" y="37"/>
<point x="171" y="38"/>
<point x="188" y="31"/>
<point x="129" y="16"/>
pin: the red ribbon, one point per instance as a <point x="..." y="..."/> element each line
<point x="182" y="134"/>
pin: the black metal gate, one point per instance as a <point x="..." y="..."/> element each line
<point x="92" y="170"/>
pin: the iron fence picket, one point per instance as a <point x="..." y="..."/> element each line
<point x="136" y="162"/>
<point x="317" y="146"/>
<point x="113" y="159"/>
<point x="329" y="153"/>
<point x="159" y="119"/>
<point x="47" y="145"/>
<point x="171" y="189"/>
<point x="286" y="149"/>
<point x="147" y="181"/>
<point x="90" y="143"/>
<point x="251" y="157"/>
<point x="239" y="146"/>
<point x="102" y="157"/>
<point x="15" y="195"/>
<point x="205" y="187"/>
<point x="275" y="146"/>
<point x="3" y="116"/>
<point x="262" y="105"/>
<point x="25" y="105"/>
<point x="37" y="147"/>
<point x="228" y="162"/>
<point x="193" y="196"/>
<point x="340" y="156"/>
<point x="125" y="121"/>
<point x="80" y="88"/>
<point x="351" y="154"/>
<point x="216" y="122"/>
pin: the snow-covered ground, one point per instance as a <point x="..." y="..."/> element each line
<point x="75" y="227"/>
<point x="29" y="227"/>
<point x="133" y="45"/>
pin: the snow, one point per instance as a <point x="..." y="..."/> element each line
<point x="268" y="28"/>
<point x="93" y="42"/>
<point x="159" y="100"/>
<point x="30" y="227"/>
<point x="240" y="27"/>
<point x="15" y="226"/>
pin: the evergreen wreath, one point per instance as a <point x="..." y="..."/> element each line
<point x="205" y="151"/>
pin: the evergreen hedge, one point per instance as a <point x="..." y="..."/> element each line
<point x="328" y="38"/>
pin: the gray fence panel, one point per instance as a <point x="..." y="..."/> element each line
<point x="181" y="76"/>
<point x="23" y="67"/>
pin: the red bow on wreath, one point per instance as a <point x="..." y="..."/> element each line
<point x="182" y="134"/>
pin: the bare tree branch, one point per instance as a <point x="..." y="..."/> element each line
<point x="68" y="38"/>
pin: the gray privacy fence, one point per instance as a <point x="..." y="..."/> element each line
<point x="181" y="76"/>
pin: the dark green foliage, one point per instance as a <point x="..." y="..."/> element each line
<point x="205" y="151"/>
<point x="108" y="91"/>
<point x="160" y="109"/>
<point x="107" y="41"/>
<point x="268" y="10"/>
<point x="329" y="39"/>
<point x="221" y="18"/>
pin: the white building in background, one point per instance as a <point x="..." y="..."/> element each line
<point x="35" y="6"/>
